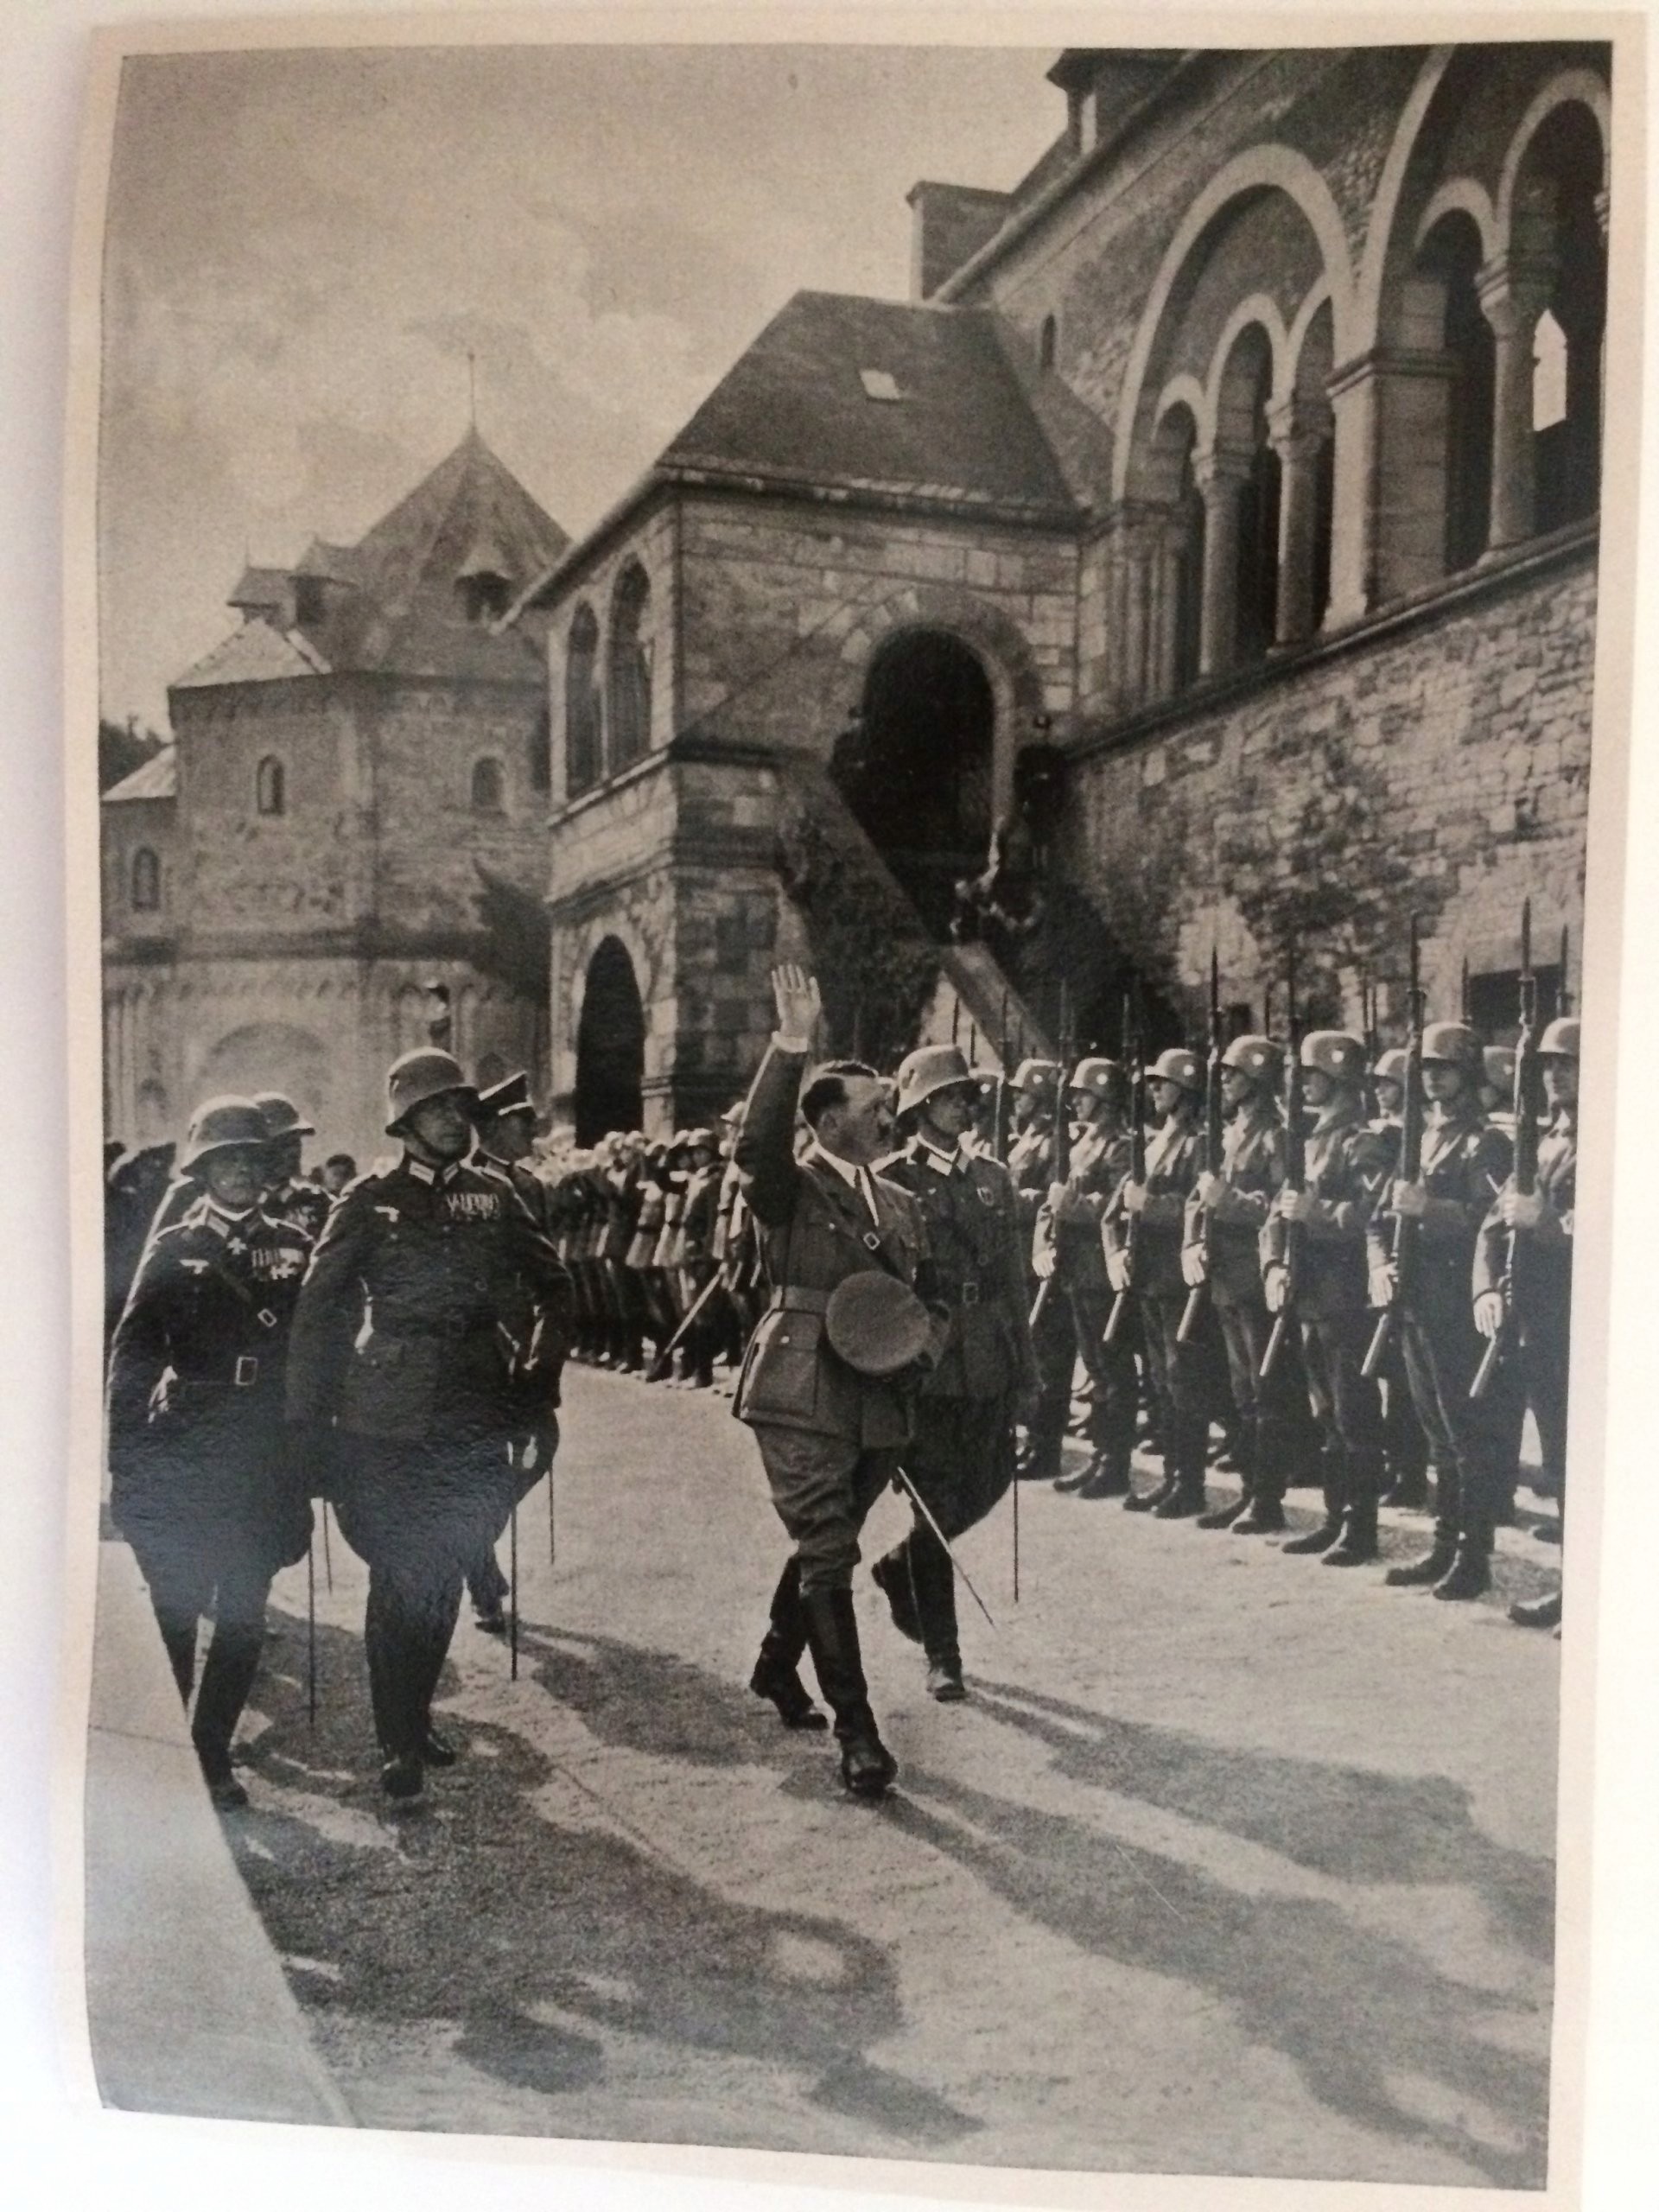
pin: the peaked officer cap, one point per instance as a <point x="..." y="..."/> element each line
<point x="1497" y="1062"/>
<point x="1100" y="1079"/>
<point x="1390" y="1066"/>
<point x="1036" y="1074"/>
<point x="1254" y="1055"/>
<point x="425" y="1073"/>
<point x="1452" y="1043"/>
<point x="1334" y="1053"/>
<point x="281" y="1115"/>
<point x="1560" y="1039"/>
<point x="220" y="1123"/>
<point x="510" y="1096"/>
<point x="1177" y="1065"/>
<point x="877" y="1323"/>
<point x="930" y="1069"/>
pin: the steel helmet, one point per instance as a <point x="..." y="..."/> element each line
<point x="424" y="1074"/>
<point x="930" y="1069"/>
<point x="1334" y="1053"/>
<point x="511" y="1095"/>
<point x="1454" y="1044"/>
<point x="1390" y="1066"/>
<point x="1177" y="1065"/>
<point x="1099" y="1078"/>
<point x="1254" y="1056"/>
<point x="282" y="1117"/>
<point x="1560" y="1041"/>
<point x="1036" y="1074"/>
<point x="877" y="1323"/>
<point x="218" y="1125"/>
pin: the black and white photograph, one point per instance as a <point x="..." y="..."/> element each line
<point x="846" y="857"/>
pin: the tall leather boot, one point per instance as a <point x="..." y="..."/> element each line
<point x="1471" y="1571"/>
<point x="1322" y="1538"/>
<point x="776" y="1675"/>
<point x="1419" y="1574"/>
<point x="867" y="1768"/>
<point x="1223" y="1516"/>
<point x="933" y="1580"/>
<point x="1040" y="1461"/>
<point x="1357" y="1545"/>
<point x="1107" y="1475"/>
<point x="892" y="1577"/>
<point x="1148" y="1501"/>
<point x="1185" y="1498"/>
<point x="226" y="1677"/>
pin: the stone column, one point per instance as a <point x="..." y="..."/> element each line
<point x="1514" y="288"/>
<point x="1296" y="435"/>
<point x="1220" y="473"/>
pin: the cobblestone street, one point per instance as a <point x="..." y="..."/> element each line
<point x="1229" y="1864"/>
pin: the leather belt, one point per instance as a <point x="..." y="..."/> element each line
<point x="788" y="1300"/>
<point x="242" y="1376"/>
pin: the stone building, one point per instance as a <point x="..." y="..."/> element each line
<point x="1240" y="465"/>
<point x="337" y="852"/>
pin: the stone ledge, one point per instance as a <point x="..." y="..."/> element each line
<point x="187" y="2007"/>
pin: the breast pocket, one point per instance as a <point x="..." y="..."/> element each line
<point x="782" y="1374"/>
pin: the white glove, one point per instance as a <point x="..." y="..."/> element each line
<point x="1195" y="1268"/>
<point x="1117" y="1271"/>
<point x="1275" y="1282"/>
<point x="1489" y="1313"/>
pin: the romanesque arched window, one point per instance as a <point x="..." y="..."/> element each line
<point x="489" y="786"/>
<point x="1239" y="476"/>
<point x="1450" y="259"/>
<point x="146" y="888"/>
<point x="1556" y="213"/>
<point x="583" y="711"/>
<point x="269" y="787"/>
<point x="630" y="667"/>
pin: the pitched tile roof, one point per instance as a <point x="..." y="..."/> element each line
<point x="156" y="778"/>
<point x="390" y="603"/>
<point x="797" y="407"/>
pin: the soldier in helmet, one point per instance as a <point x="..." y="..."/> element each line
<point x="1347" y="1165"/>
<point x="1464" y="1162"/>
<point x="830" y="1419"/>
<point x="960" y="1455"/>
<point x="1182" y="1374"/>
<point x="1066" y="1246"/>
<point x="1405" y="1448"/>
<point x="286" y="1196"/>
<point x="429" y="1334"/>
<point x="1539" y="1283"/>
<point x="1226" y="1215"/>
<point x="208" y="1486"/>
<point x="1033" y="1103"/>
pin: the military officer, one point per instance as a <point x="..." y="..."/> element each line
<point x="1181" y="1372"/>
<point x="1537" y="1280"/>
<point x="1347" y="1165"/>
<point x="960" y="1455"/>
<point x="829" y="1430"/>
<point x="430" y="1333"/>
<point x="1464" y="1162"/>
<point x="287" y="1196"/>
<point x="1226" y="1216"/>
<point x="208" y="1486"/>
<point x="1066" y="1247"/>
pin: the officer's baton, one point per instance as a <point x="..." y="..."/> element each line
<point x="552" y="1536"/>
<point x="311" y="1630"/>
<point x="691" y="1313"/>
<point x="328" y="1556"/>
<point x="1040" y="1301"/>
<point x="916" y="1499"/>
<point x="1016" y="1536"/>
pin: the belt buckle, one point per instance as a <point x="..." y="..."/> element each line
<point x="970" y="1294"/>
<point x="247" y="1371"/>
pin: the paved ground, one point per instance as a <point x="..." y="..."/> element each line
<point x="1232" y="1864"/>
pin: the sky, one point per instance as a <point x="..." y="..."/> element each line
<point x="302" y="249"/>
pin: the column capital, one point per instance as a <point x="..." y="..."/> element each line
<point x="1218" y="467"/>
<point x="1297" y="426"/>
<point x="1514" y="290"/>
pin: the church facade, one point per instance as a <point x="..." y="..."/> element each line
<point x="335" y="859"/>
<point x="1239" y="467"/>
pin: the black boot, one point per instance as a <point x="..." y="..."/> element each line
<point x="1263" y="1516"/>
<point x="1322" y="1538"/>
<point x="1148" y="1501"/>
<point x="891" y="1574"/>
<point x="867" y="1768"/>
<point x="776" y="1675"/>
<point x="933" y="1579"/>
<point x="1357" y="1545"/>
<point x="1537" y="1613"/>
<point x="1471" y="1571"/>
<point x="1409" y="1490"/>
<point x="1040" y="1461"/>
<point x="226" y="1677"/>
<point x="1419" y="1573"/>
<point x="1106" y="1476"/>
<point x="1185" y="1498"/>
<point x="1224" y="1517"/>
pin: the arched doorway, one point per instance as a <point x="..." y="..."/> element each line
<point x="610" y="1045"/>
<point x="916" y="766"/>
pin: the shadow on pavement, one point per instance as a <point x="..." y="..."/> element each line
<point x="480" y="1912"/>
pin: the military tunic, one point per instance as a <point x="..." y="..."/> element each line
<point x="1541" y="1288"/>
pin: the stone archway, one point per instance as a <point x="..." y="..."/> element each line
<point x="610" y="1045"/>
<point x="916" y="765"/>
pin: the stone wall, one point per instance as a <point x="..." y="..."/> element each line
<point x="148" y="824"/>
<point x="648" y="545"/>
<point x="1436" y="762"/>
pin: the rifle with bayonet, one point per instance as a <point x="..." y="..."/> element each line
<point x="1406" y="1239"/>
<point x="1000" y="1095"/>
<point x="1527" y="1105"/>
<point x="1134" y="1059"/>
<point x="1059" y="1143"/>
<point x="1212" y="1145"/>
<point x="1295" y="1171"/>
